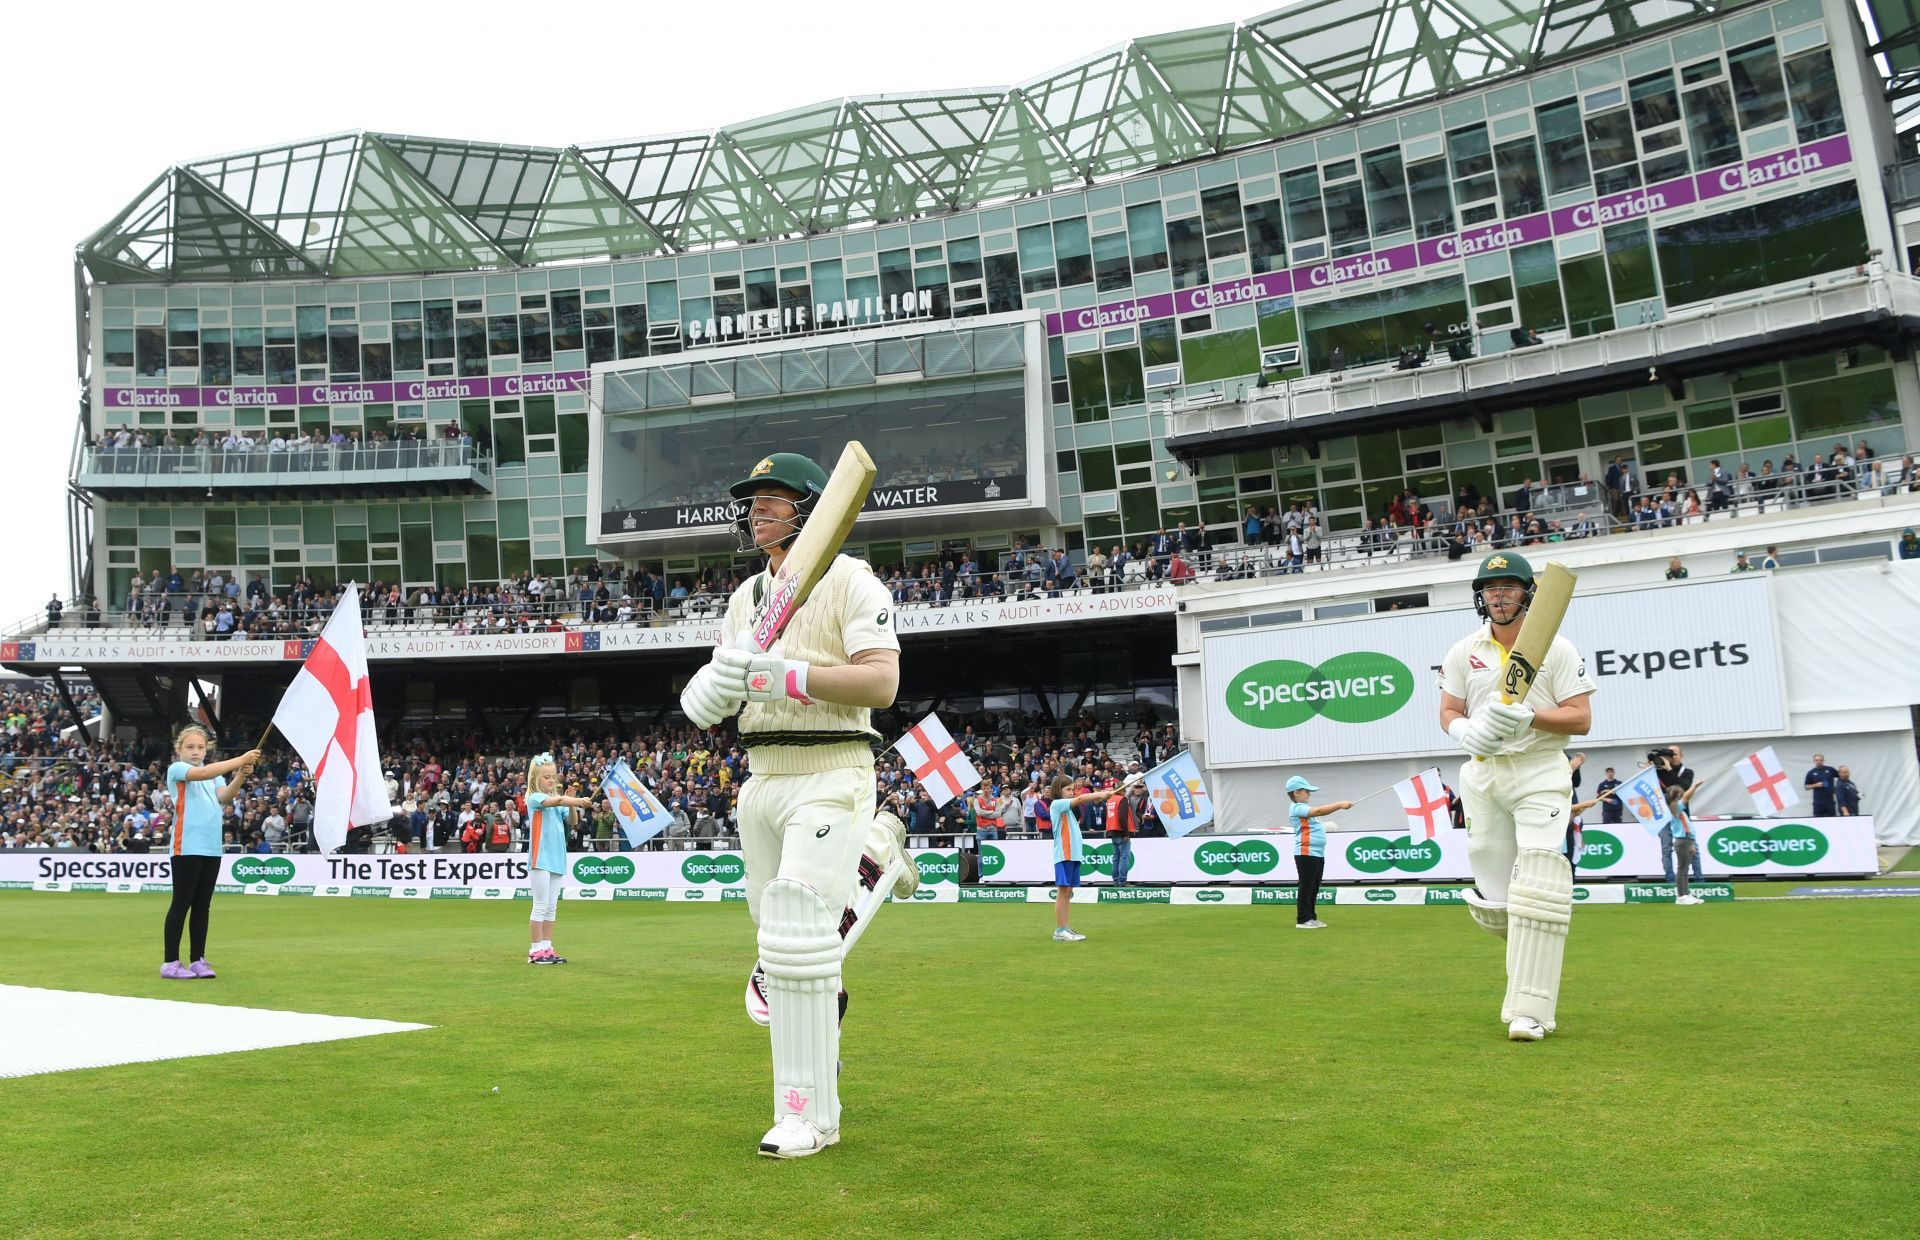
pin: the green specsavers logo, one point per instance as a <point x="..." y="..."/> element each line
<point x="262" y="870"/>
<point x="613" y="870"/>
<point x="1098" y="859"/>
<point x="992" y="861"/>
<point x="1600" y="849"/>
<point x="722" y="868"/>
<point x="1373" y="854"/>
<point x="938" y="867"/>
<point x="1358" y="687"/>
<point x="1790" y="843"/>
<point x="1220" y="858"/>
<point x="1209" y="896"/>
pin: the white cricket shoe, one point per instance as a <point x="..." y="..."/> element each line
<point x="1688" y="899"/>
<point x="1525" y="1029"/>
<point x="909" y="880"/>
<point x="1064" y="935"/>
<point x="1316" y="923"/>
<point x="794" y="1137"/>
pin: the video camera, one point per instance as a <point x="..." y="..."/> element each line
<point x="1660" y="756"/>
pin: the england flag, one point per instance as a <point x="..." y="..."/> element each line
<point x="327" y="715"/>
<point x="1767" y="783"/>
<point x="936" y="760"/>
<point x="1424" y="798"/>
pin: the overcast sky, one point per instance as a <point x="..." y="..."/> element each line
<point x="101" y="98"/>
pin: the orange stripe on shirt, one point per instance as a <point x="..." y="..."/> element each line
<point x="533" y="836"/>
<point x="179" y="814"/>
<point x="1306" y="837"/>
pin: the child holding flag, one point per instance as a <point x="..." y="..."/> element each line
<point x="201" y="795"/>
<point x="1310" y="854"/>
<point x="547" y="814"/>
<point x="1068" y="848"/>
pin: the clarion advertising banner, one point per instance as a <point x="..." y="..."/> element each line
<point x="1735" y="848"/>
<point x="1698" y="661"/>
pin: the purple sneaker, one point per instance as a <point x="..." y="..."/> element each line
<point x="176" y="971"/>
<point x="200" y="968"/>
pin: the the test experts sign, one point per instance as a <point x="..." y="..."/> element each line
<point x="1698" y="661"/>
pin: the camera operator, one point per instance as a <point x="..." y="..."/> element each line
<point x="1685" y="842"/>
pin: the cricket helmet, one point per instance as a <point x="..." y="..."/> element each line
<point x="782" y="469"/>
<point x="1502" y="566"/>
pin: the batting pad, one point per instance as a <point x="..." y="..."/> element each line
<point x="1539" y="909"/>
<point x="800" y="952"/>
<point x="66" y="1030"/>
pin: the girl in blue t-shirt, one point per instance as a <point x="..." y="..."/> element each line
<point x="1068" y="849"/>
<point x="1310" y="849"/>
<point x="547" y="814"/>
<point x="200" y="795"/>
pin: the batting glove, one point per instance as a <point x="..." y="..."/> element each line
<point x="706" y="701"/>
<point x="1509" y="719"/>
<point x="766" y="678"/>
<point x="1475" y="735"/>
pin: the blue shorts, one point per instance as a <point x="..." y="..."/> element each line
<point x="1066" y="873"/>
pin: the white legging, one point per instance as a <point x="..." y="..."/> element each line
<point x="546" y="894"/>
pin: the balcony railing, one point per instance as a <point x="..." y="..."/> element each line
<point x="405" y="460"/>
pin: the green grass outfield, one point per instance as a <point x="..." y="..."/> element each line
<point x="1741" y="1069"/>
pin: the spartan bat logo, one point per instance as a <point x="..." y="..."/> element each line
<point x="1518" y="676"/>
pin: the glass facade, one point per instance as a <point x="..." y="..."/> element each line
<point x="1681" y="168"/>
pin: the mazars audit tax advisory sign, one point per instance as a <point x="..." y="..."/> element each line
<point x="1691" y="661"/>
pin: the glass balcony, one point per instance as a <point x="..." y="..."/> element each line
<point x="446" y="466"/>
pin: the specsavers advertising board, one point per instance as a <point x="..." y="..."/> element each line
<point x="1735" y="848"/>
<point x="710" y="877"/>
<point x="1699" y="661"/>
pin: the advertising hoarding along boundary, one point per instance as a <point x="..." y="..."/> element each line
<point x="1697" y="660"/>
<point x="1734" y="848"/>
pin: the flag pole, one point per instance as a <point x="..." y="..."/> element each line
<point x="264" y="735"/>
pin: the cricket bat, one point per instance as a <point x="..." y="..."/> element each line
<point x="819" y="541"/>
<point x="1537" y="631"/>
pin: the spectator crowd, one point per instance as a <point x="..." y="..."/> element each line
<point x="453" y="790"/>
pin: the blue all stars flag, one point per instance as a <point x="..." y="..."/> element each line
<point x="1644" y="800"/>
<point x="1179" y="795"/>
<point x="640" y="815"/>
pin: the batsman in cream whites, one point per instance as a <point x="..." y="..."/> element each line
<point x="807" y="652"/>
<point x="1511" y="694"/>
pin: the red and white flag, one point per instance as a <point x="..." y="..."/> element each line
<point x="1424" y="798"/>
<point x="1767" y="783"/>
<point x="327" y="715"/>
<point x="936" y="760"/>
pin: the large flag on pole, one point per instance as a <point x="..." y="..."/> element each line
<point x="1642" y="796"/>
<point x="1767" y="783"/>
<point x="1180" y="795"/>
<point x="1424" y="798"/>
<point x="640" y="814"/>
<point x="936" y="760"/>
<point x="327" y="715"/>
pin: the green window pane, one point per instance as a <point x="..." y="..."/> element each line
<point x="1087" y="378"/>
<point x="316" y="525"/>
<point x="575" y="530"/>
<point x="511" y="515"/>
<point x="1097" y="470"/>
<point x="1140" y="510"/>
<point x="1630" y="261"/>
<point x="1159" y="343"/>
<point x="1558" y="427"/>
<point x="1221" y="355"/>
<point x="573" y="443"/>
<point x="1538" y="287"/>
<point x="1857" y="400"/>
<point x="509" y="443"/>
<point x="516" y="557"/>
<point x="1126" y="384"/>
<point x="416" y="553"/>
<point x="1609" y="431"/>
<point x="539" y="415"/>
<point x="1146" y="238"/>
<point x="483" y="552"/>
<point x="1766" y="433"/>
<point x="1769" y="243"/>
<point x="1589" y="303"/>
<point x="1379" y="454"/>
<point x="1721" y="441"/>
<point x="1709" y="414"/>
